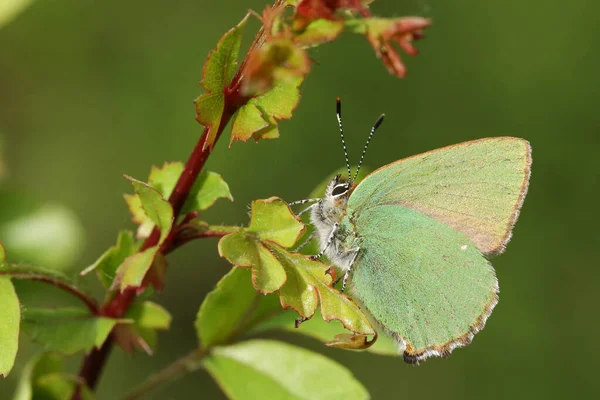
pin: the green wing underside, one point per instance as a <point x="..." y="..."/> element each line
<point x="476" y="187"/>
<point x="426" y="283"/>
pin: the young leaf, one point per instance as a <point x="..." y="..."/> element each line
<point x="308" y="284"/>
<point x="208" y="188"/>
<point x="250" y="369"/>
<point x="106" y="266"/>
<point x="231" y="308"/>
<point x="10" y="316"/>
<point x="311" y="10"/>
<point x="278" y="60"/>
<point x="381" y="32"/>
<point x="66" y="330"/>
<point x="42" y="378"/>
<point x="302" y="283"/>
<point x="147" y="317"/>
<point x="217" y="74"/>
<point x="272" y="223"/>
<point x="134" y="268"/>
<point x="319" y="31"/>
<point x="258" y="118"/>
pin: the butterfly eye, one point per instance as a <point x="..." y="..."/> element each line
<point x="339" y="189"/>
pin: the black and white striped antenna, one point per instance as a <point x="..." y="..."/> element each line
<point x="362" y="157"/>
<point x="339" y="118"/>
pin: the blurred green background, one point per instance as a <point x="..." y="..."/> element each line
<point x="90" y="90"/>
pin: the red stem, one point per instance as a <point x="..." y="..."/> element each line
<point x="89" y="302"/>
<point x="93" y="363"/>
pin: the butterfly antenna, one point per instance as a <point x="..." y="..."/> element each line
<point x="339" y="119"/>
<point x="362" y="157"/>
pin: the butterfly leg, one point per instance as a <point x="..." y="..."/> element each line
<point x="308" y="208"/>
<point x="307" y="241"/>
<point x="350" y="265"/>
<point x="298" y="202"/>
<point x="329" y="241"/>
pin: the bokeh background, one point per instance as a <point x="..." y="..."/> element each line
<point x="90" y="90"/>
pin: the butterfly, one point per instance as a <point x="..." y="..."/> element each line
<point x="413" y="238"/>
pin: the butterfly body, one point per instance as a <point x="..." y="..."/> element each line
<point x="411" y="239"/>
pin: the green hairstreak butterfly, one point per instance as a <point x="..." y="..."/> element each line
<point x="412" y="239"/>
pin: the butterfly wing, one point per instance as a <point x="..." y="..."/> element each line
<point x="475" y="187"/>
<point x="425" y="283"/>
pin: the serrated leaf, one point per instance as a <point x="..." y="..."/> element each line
<point x="132" y="271"/>
<point x="66" y="330"/>
<point x="10" y="316"/>
<point x="244" y="250"/>
<point x="106" y="266"/>
<point x="246" y="121"/>
<point x="308" y="283"/>
<point x="250" y="369"/>
<point x="230" y="308"/>
<point x="278" y="60"/>
<point x="208" y="188"/>
<point x="277" y="103"/>
<point x="302" y="283"/>
<point x="272" y="222"/>
<point x="217" y="74"/>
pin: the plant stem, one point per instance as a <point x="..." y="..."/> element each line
<point x="89" y="301"/>
<point x="187" y="363"/>
<point x="93" y="363"/>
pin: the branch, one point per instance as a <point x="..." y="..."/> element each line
<point x="73" y="290"/>
<point x="187" y="363"/>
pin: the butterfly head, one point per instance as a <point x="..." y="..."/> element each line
<point x="338" y="189"/>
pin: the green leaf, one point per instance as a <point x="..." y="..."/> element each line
<point x="251" y="369"/>
<point x="208" y="188"/>
<point x="319" y="31"/>
<point x="323" y="331"/>
<point x="217" y="74"/>
<point x="10" y="316"/>
<point x="132" y="271"/>
<point x="106" y="266"/>
<point x="308" y="283"/>
<point x="10" y="9"/>
<point x="148" y="314"/>
<point x="232" y="307"/>
<point x="39" y="233"/>
<point x="302" y="283"/>
<point x="66" y="330"/>
<point x="272" y="223"/>
<point x="147" y="317"/>
<point x="277" y="60"/>
<point x="258" y="118"/>
<point x="42" y="378"/>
